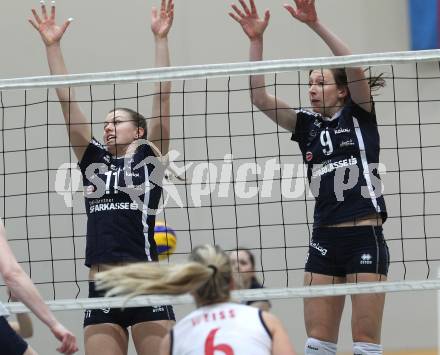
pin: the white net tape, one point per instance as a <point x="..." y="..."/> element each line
<point x="219" y="70"/>
<point x="243" y="295"/>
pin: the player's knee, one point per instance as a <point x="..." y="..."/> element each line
<point x="365" y="336"/>
<point x="319" y="347"/>
<point x="362" y="348"/>
<point x="324" y="332"/>
<point x="366" y="332"/>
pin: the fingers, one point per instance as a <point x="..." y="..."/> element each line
<point x="291" y="10"/>
<point x="63" y="347"/>
<point x="170" y="6"/>
<point x="294" y="12"/>
<point x="166" y="9"/>
<point x="36" y="17"/>
<point x="72" y="348"/>
<point x="238" y="11"/>
<point x="153" y="12"/>
<point x="235" y="17"/>
<point x="34" y="25"/>
<point x="170" y="9"/>
<point x="266" y="16"/>
<point x="245" y="7"/>
<point x="253" y="7"/>
<point x="305" y="4"/>
<point x="52" y="11"/>
<point x="66" y="24"/>
<point x="68" y="344"/>
<point x="43" y="9"/>
<point x="37" y="21"/>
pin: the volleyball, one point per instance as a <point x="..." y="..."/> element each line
<point x="165" y="239"/>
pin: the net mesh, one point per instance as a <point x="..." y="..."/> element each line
<point x="242" y="179"/>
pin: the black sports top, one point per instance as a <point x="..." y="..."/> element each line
<point x="342" y="156"/>
<point x="121" y="198"/>
<point x="256" y="284"/>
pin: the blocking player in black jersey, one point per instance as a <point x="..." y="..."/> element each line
<point x="122" y="187"/>
<point x="339" y="141"/>
<point x="217" y="326"/>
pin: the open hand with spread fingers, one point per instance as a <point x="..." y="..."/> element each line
<point x="250" y="21"/>
<point x="45" y="24"/>
<point x="305" y="11"/>
<point x="162" y="20"/>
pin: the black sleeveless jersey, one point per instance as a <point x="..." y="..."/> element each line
<point x="342" y="156"/>
<point x="121" y="198"/>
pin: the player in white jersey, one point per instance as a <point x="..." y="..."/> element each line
<point x="24" y="290"/>
<point x="217" y="326"/>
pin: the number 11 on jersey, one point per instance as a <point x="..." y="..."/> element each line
<point x="109" y="175"/>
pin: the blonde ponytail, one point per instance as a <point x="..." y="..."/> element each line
<point x="207" y="275"/>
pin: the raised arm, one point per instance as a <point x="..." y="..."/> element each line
<point x="254" y="27"/>
<point x="78" y="126"/>
<point x="357" y="83"/>
<point x="22" y="287"/>
<point x="159" y="125"/>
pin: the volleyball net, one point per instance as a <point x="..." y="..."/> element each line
<point x="242" y="180"/>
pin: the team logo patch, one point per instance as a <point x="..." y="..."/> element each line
<point x="90" y="189"/>
<point x="319" y="248"/>
<point x="342" y="130"/>
<point x="309" y="156"/>
<point x="366" y="259"/>
<point x="347" y="143"/>
<point x="317" y="123"/>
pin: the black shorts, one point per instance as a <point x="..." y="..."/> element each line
<point x="10" y="342"/>
<point x="124" y="317"/>
<point x="339" y="251"/>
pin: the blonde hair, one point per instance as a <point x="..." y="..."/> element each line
<point x="207" y="275"/>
